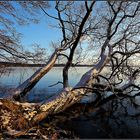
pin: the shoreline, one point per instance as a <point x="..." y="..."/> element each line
<point x="8" y="64"/>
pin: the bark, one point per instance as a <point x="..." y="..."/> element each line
<point x="31" y="114"/>
<point x="70" y="58"/>
<point x="69" y="96"/>
<point x="27" y="115"/>
<point x="26" y="86"/>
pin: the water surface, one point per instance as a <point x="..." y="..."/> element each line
<point x="17" y="75"/>
<point x="122" y="121"/>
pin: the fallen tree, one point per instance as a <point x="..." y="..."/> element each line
<point x="113" y="51"/>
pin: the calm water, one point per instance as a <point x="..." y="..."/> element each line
<point x="124" y="118"/>
<point x="13" y="78"/>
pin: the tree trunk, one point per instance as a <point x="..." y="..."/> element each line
<point x="30" y="114"/>
<point x="26" y="86"/>
<point x="70" y="96"/>
<point x="79" y="34"/>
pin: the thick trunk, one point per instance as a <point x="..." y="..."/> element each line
<point x="69" y="96"/>
<point x="32" y="81"/>
<point x="65" y="74"/>
<point x="72" y="51"/>
<point x="28" y="115"/>
<point x="26" y="86"/>
<point x="65" y="78"/>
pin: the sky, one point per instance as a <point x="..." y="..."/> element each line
<point x="40" y="33"/>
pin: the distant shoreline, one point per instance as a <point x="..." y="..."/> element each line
<point x="8" y="64"/>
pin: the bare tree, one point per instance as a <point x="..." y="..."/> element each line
<point x="11" y="49"/>
<point x="114" y="30"/>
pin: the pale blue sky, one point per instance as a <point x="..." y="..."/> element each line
<point x="40" y="33"/>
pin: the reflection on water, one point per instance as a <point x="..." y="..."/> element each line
<point x="116" y="119"/>
<point x="13" y="78"/>
<point x="113" y="120"/>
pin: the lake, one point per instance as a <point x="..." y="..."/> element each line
<point x="17" y="75"/>
<point x="122" y="122"/>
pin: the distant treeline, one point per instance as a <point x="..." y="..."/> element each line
<point x="9" y="64"/>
